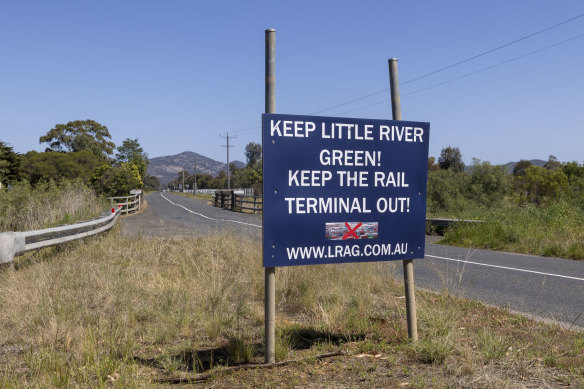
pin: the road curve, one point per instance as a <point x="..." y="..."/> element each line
<point x="549" y="288"/>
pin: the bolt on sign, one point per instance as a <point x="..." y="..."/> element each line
<point x="342" y="190"/>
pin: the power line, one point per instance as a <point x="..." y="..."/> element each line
<point x="453" y="65"/>
<point x="495" y="65"/>
<point x="469" y="74"/>
<point x="495" y="49"/>
<point x="384" y="90"/>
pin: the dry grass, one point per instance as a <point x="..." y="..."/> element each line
<point x="111" y="312"/>
<point x="46" y="205"/>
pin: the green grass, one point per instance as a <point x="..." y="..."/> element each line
<point x="554" y="230"/>
<point x="201" y="196"/>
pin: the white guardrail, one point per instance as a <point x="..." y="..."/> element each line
<point x="18" y="243"/>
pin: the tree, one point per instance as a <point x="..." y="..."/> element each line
<point x="116" y="180"/>
<point x="432" y="165"/>
<point x="540" y="185"/>
<point x="220" y="182"/>
<point x="80" y="135"/>
<point x="9" y="164"/>
<point x="151" y="182"/>
<point x="450" y="158"/>
<point x="253" y="153"/>
<point x="487" y="182"/>
<point x="131" y="152"/>
<point x="520" y="167"/>
<point x="56" y="166"/>
<point x="573" y="170"/>
<point x="552" y="163"/>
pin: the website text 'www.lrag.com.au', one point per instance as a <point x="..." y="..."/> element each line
<point x="345" y="251"/>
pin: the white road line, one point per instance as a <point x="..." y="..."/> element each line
<point x="507" y="268"/>
<point x="207" y="217"/>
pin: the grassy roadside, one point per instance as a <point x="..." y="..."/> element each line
<point x="553" y="230"/>
<point x="201" y="196"/>
<point x="111" y="312"/>
<point x="48" y="204"/>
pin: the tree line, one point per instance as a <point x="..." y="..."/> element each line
<point x="80" y="150"/>
<point x="453" y="188"/>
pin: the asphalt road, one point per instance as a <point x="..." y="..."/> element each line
<point x="548" y="288"/>
<point x="169" y="214"/>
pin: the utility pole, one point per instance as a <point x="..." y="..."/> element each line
<point x="195" y="186"/>
<point x="228" y="146"/>
<point x="183" y="187"/>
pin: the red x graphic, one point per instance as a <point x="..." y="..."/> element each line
<point x="351" y="233"/>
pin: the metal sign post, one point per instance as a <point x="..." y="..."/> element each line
<point x="270" y="272"/>
<point x="408" y="264"/>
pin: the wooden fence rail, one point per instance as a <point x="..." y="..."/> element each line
<point x="237" y="202"/>
<point x="128" y="204"/>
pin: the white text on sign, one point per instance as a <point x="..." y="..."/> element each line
<point x="350" y="131"/>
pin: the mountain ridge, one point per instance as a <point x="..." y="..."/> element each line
<point x="166" y="168"/>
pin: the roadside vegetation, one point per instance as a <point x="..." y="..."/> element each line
<point x="533" y="209"/>
<point x="70" y="180"/>
<point x="111" y="312"/>
<point x="79" y="150"/>
<point x="47" y="204"/>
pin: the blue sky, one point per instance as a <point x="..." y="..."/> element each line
<point x="178" y="74"/>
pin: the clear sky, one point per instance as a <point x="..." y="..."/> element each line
<point x="178" y="74"/>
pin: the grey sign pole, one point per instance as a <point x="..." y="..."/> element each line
<point x="270" y="272"/>
<point x="408" y="264"/>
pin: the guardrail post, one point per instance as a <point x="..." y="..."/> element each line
<point x="10" y="244"/>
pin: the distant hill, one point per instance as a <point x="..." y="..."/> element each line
<point x="511" y="165"/>
<point x="166" y="168"/>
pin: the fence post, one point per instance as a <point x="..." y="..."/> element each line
<point x="215" y="197"/>
<point x="232" y="200"/>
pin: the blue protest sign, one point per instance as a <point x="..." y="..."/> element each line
<point x="342" y="190"/>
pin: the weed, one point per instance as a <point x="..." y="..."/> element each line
<point x="282" y="345"/>
<point x="435" y="349"/>
<point x="240" y="350"/>
<point x="492" y="347"/>
<point x="549" y="359"/>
